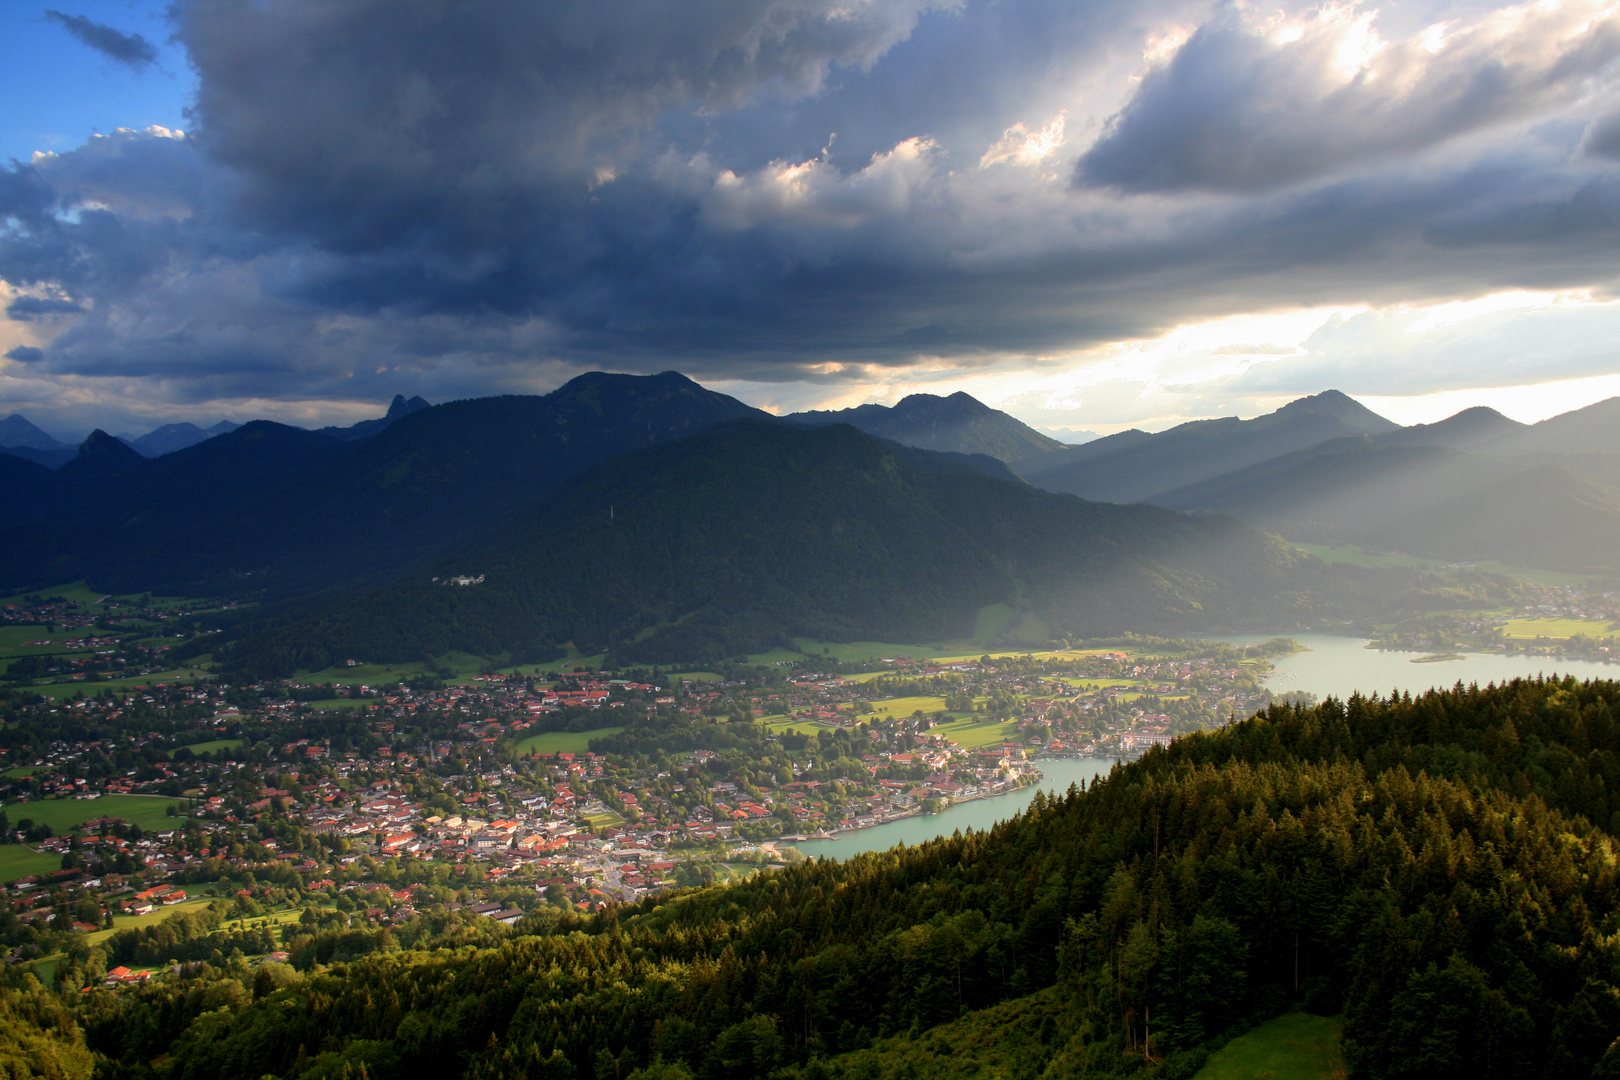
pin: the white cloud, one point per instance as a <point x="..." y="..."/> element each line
<point x="815" y="194"/>
<point x="1021" y="146"/>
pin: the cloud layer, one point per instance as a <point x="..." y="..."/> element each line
<point x="454" y="198"/>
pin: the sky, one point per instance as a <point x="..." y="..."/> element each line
<point x="1095" y="214"/>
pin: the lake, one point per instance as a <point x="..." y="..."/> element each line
<point x="1331" y="665"/>
<point x="978" y="814"/>
<point x="1338" y="666"/>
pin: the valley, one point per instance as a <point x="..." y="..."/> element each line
<point x="500" y="673"/>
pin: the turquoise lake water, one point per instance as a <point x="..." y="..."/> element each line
<point x="1340" y="665"/>
<point x="1332" y="665"/>
<point x="978" y="814"/>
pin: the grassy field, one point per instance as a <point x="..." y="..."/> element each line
<point x="329" y="704"/>
<point x="151" y="918"/>
<point x="1556" y="628"/>
<point x="215" y="745"/>
<point x="605" y="820"/>
<point x="76" y="590"/>
<point x="905" y="706"/>
<point x="976" y="733"/>
<point x="14" y="640"/>
<point x="166" y="678"/>
<point x="147" y="811"/>
<point x="21" y="771"/>
<point x="1294" y="1046"/>
<point x="16" y="861"/>
<point x="564" y="742"/>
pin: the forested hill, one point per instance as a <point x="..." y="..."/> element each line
<point x="272" y="510"/>
<point x="1442" y="870"/>
<point x="734" y="539"/>
<point x="957" y="423"/>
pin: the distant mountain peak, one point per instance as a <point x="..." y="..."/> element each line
<point x="18" y="430"/>
<point x="960" y="423"/>
<point x="401" y="407"/>
<point x="102" y="451"/>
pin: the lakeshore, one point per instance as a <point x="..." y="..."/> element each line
<point x="979" y="813"/>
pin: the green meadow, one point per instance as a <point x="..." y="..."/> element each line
<point x="974" y="734"/>
<point x="1294" y="1046"/>
<point x="897" y="708"/>
<point x="564" y="742"/>
<point x="17" y="861"/>
<point x="213" y="746"/>
<point x="150" y="812"/>
<point x="1556" y="628"/>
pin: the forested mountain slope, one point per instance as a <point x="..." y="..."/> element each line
<point x="733" y="540"/>
<point x="959" y="424"/>
<point x="1134" y="466"/>
<point x="1441" y="869"/>
<point x="273" y="510"/>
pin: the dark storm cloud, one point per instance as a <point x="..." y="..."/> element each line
<point x="131" y="49"/>
<point x="26" y="308"/>
<point x="462" y="198"/>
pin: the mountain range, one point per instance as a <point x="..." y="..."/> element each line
<point x="277" y="511"/>
<point x="958" y="423"/>
<point x="738" y="538"/>
<point x="655" y="519"/>
<point x="19" y="437"/>
<point x="1474" y="487"/>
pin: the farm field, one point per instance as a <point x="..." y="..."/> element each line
<point x="157" y="678"/>
<point x="213" y="746"/>
<point x="976" y="733"/>
<point x="905" y="706"/>
<point x="150" y="812"/>
<point x="1520" y="629"/>
<point x="564" y="742"/>
<point x="151" y="918"/>
<point x="14" y="639"/>
<point x="17" y="861"/>
<point x="1294" y="1046"/>
<point x="76" y="590"/>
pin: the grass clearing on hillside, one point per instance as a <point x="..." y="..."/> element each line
<point x="1355" y="556"/>
<point x="17" y="861"/>
<point x="1556" y="628"/>
<point x="1294" y="1046"/>
<point x="150" y="812"/>
<point x="564" y="742"/>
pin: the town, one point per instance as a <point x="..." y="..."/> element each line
<point x="184" y="806"/>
